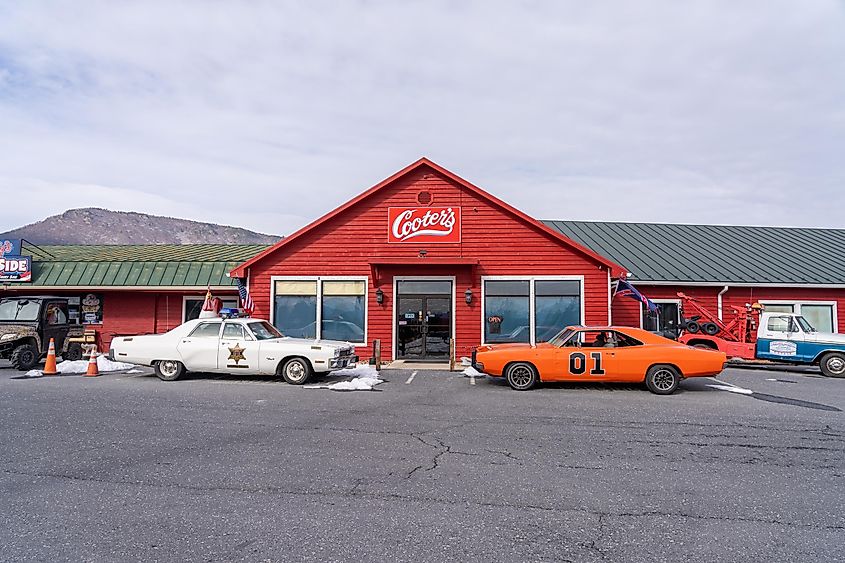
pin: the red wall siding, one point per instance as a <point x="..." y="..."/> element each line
<point x="503" y="244"/>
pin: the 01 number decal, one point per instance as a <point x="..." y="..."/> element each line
<point x="578" y="363"/>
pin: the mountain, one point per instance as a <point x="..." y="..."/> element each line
<point x="93" y="225"/>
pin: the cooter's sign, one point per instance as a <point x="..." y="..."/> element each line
<point x="424" y="224"/>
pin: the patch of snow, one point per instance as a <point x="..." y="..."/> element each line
<point x="472" y="372"/>
<point x="81" y="366"/>
<point x="135" y="371"/>
<point x="732" y="389"/>
<point x="466" y="361"/>
<point x="361" y="370"/>
<point x="365" y="378"/>
<point x="33" y="373"/>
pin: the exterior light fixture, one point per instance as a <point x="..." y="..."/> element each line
<point x="423" y="253"/>
<point x="468" y="295"/>
<point x="379" y="296"/>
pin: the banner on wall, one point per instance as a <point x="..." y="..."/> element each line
<point x="91" y="309"/>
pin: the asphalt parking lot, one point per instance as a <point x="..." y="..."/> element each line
<point x="432" y="466"/>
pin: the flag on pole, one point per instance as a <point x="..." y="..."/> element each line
<point x="625" y="289"/>
<point x="246" y="301"/>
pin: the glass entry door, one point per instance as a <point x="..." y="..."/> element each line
<point x="424" y="320"/>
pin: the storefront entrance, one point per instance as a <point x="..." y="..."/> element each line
<point x="423" y="319"/>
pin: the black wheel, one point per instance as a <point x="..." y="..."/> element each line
<point x="662" y="379"/>
<point x="24" y="357"/>
<point x="296" y="371"/>
<point x="169" y="370"/>
<point x="833" y="364"/>
<point x="693" y="327"/>
<point x="521" y="376"/>
<point x="74" y="353"/>
<point x="710" y="328"/>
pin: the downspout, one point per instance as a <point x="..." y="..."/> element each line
<point x="719" y="302"/>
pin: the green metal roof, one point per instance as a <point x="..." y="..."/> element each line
<point x="156" y="266"/>
<point x="715" y="253"/>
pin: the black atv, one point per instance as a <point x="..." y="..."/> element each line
<point x="28" y="323"/>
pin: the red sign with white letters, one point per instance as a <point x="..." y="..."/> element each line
<point x="424" y="224"/>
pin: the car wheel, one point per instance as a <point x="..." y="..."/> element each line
<point x="296" y="371"/>
<point x="24" y="357"/>
<point x="74" y="353"/>
<point x="521" y="376"/>
<point x="710" y="328"/>
<point x="662" y="379"/>
<point x="833" y="365"/>
<point x="169" y="370"/>
<point x="693" y="327"/>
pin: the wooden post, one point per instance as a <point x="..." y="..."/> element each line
<point x="451" y="354"/>
<point x="377" y="353"/>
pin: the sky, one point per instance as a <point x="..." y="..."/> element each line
<point x="267" y="115"/>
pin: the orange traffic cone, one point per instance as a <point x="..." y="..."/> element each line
<point x="93" y="370"/>
<point x="50" y="364"/>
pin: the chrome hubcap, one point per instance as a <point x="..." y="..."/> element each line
<point x="295" y="370"/>
<point x="521" y="376"/>
<point x="168" y="368"/>
<point x="663" y="379"/>
<point x="836" y="365"/>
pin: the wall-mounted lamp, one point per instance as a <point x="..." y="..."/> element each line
<point x="379" y="296"/>
<point x="422" y="253"/>
<point x="468" y="295"/>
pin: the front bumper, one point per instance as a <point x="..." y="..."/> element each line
<point x="342" y="362"/>
<point x="478" y="366"/>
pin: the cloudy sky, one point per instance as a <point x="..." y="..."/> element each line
<point x="268" y="115"/>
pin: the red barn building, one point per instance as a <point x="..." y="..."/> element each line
<point x="425" y="258"/>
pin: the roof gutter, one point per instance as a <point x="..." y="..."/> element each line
<point x="719" y="301"/>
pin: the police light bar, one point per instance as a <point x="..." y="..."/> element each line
<point x="231" y="313"/>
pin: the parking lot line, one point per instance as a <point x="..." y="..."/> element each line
<point x="410" y="379"/>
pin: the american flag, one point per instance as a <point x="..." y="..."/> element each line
<point x="246" y="301"/>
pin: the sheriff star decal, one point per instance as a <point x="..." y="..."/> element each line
<point x="236" y="354"/>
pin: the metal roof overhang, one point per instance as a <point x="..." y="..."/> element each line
<point x="379" y="263"/>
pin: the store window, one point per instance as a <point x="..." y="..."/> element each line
<point x="557" y="306"/>
<point x="513" y="308"/>
<point x="507" y="308"/>
<point x="821" y="316"/>
<point x="193" y="306"/>
<point x="329" y="309"/>
<point x="665" y="320"/>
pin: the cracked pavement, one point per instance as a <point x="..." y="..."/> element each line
<point x="123" y="468"/>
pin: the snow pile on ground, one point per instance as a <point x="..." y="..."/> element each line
<point x="81" y="366"/>
<point x="135" y="371"/>
<point x="732" y="389"/>
<point x="365" y="377"/>
<point x="472" y="372"/>
<point x="466" y="361"/>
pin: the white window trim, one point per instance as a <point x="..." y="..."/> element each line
<point x="320" y="279"/>
<point x="676" y="301"/>
<point x="531" y="305"/>
<point x="797" y="303"/>
<point x="186" y="298"/>
<point x="395" y="321"/>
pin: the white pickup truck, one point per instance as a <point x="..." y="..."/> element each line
<point x="236" y="345"/>
<point x="782" y="337"/>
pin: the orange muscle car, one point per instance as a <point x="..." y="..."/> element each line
<point x="615" y="354"/>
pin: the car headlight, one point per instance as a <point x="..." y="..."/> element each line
<point x="7" y="337"/>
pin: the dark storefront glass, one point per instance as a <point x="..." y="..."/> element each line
<point x="506" y="306"/>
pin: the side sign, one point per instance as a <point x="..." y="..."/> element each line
<point x="16" y="268"/>
<point x="424" y="224"/>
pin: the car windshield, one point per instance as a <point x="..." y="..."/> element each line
<point x="561" y="337"/>
<point x="264" y="331"/>
<point x="19" y="310"/>
<point x="805" y="326"/>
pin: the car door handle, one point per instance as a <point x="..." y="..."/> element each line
<point x="185" y="341"/>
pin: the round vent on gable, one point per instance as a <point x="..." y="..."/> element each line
<point x="424" y="198"/>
